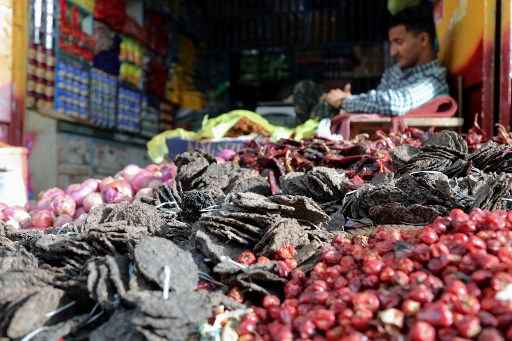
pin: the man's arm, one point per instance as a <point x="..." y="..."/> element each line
<point x="396" y="102"/>
<point x="385" y="80"/>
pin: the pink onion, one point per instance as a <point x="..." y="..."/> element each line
<point x="168" y="171"/>
<point x="92" y="184"/>
<point x="87" y="187"/>
<point x="117" y="191"/>
<point x="44" y="204"/>
<point x="142" y="180"/>
<point x="105" y="182"/>
<point x="80" y="211"/>
<point x="46" y="198"/>
<point x="129" y="172"/>
<point x="51" y="193"/>
<point x="3" y="206"/>
<point x="63" y="205"/>
<point x="144" y="193"/>
<point x="91" y="201"/>
<point x="42" y="219"/>
<point x="72" y="188"/>
<point x="226" y="154"/>
<point x="79" y="195"/>
<point x="62" y="220"/>
<point x="17" y="214"/>
<point x="152" y="168"/>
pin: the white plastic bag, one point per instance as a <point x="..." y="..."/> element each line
<point x="324" y="131"/>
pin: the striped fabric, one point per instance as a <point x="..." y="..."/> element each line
<point x="400" y="90"/>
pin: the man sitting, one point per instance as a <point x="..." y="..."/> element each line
<point x="415" y="79"/>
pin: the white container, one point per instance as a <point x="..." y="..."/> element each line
<point x="13" y="176"/>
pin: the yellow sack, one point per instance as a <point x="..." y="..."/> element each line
<point x="306" y="130"/>
<point x="281" y="133"/>
<point x="218" y="127"/>
<point x="157" y="146"/>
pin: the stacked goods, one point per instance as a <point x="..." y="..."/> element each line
<point x="72" y="89"/>
<point x="41" y="59"/>
<point x="73" y="38"/>
<point x="103" y="99"/>
<point x="150" y="117"/>
<point x="129" y="109"/>
<point x="132" y="62"/>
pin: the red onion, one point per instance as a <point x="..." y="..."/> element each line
<point x="153" y="168"/>
<point x="46" y="198"/>
<point x="17" y="214"/>
<point x="63" y="205"/>
<point x="144" y="193"/>
<point x="105" y="182"/>
<point x="91" y="201"/>
<point x="129" y="172"/>
<point x="42" y="219"/>
<point x="226" y="154"/>
<point x="142" y="180"/>
<point x="117" y="191"/>
<point x="72" y="188"/>
<point x="43" y="204"/>
<point x="92" y="184"/>
<point x="51" y="193"/>
<point x="63" y="220"/>
<point x="168" y="171"/>
<point x="79" y="195"/>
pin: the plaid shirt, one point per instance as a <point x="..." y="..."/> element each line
<point x="400" y="90"/>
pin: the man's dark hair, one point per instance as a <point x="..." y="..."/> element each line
<point x="417" y="19"/>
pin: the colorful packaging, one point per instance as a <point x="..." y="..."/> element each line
<point x="72" y="89"/>
<point x="103" y="99"/>
<point x="150" y="119"/>
<point x="129" y="109"/>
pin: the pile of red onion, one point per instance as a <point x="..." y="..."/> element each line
<point x="451" y="280"/>
<point x="56" y="207"/>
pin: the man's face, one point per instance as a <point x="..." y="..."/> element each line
<point x="406" y="47"/>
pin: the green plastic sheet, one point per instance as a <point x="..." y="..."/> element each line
<point x="395" y="6"/>
<point x="216" y="128"/>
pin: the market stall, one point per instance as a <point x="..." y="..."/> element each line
<point x="172" y="200"/>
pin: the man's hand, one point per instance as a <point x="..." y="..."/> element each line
<point x="336" y="97"/>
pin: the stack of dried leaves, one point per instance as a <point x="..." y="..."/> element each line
<point x="264" y="224"/>
<point x="132" y="270"/>
<point x="435" y="178"/>
<point x="326" y="186"/>
<point x="77" y="283"/>
<point x="200" y="171"/>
